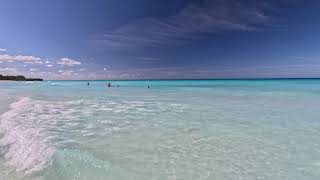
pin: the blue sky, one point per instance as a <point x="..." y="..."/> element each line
<point x="156" y="39"/>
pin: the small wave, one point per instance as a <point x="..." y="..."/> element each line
<point x="56" y="84"/>
<point x="26" y="126"/>
<point x="29" y="82"/>
<point x="76" y="164"/>
<point x="33" y="130"/>
<point x="28" y="149"/>
<point x="60" y="84"/>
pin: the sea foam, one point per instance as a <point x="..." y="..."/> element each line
<point x="28" y="149"/>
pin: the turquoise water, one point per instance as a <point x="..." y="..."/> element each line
<point x="176" y="130"/>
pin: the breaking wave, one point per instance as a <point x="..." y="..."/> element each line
<point x="27" y="146"/>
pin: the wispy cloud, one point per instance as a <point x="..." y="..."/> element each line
<point x="21" y="58"/>
<point x="68" y="62"/>
<point x="148" y="59"/>
<point x="3" y="50"/>
<point x="107" y="68"/>
<point x="67" y="73"/>
<point x="192" y="22"/>
<point x="32" y="69"/>
<point x="8" y="69"/>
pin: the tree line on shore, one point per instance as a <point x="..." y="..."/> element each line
<point x="18" y="78"/>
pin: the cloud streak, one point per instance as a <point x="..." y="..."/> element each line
<point x="20" y="58"/>
<point x="8" y="69"/>
<point x="192" y="22"/>
<point x="68" y="62"/>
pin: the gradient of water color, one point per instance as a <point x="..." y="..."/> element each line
<point x="187" y="129"/>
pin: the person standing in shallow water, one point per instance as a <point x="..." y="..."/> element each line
<point x="109" y="85"/>
<point x="88" y="84"/>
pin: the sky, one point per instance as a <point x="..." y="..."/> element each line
<point x="160" y="39"/>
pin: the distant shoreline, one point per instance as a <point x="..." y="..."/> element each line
<point x="217" y="79"/>
<point x="18" y="78"/>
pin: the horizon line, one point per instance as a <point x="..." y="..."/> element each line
<point x="182" y="79"/>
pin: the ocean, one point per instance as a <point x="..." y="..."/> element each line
<point x="174" y="130"/>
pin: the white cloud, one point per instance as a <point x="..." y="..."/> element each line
<point x="3" y="50"/>
<point x="106" y="68"/>
<point x="20" y="58"/>
<point x="32" y="69"/>
<point x="66" y="72"/>
<point x="68" y="62"/>
<point x="49" y="65"/>
<point x="8" y="69"/>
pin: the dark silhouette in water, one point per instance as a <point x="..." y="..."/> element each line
<point x="88" y="84"/>
<point x="118" y="85"/>
<point x="148" y="87"/>
<point x="109" y="85"/>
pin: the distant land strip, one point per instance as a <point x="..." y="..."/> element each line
<point x="18" y="78"/>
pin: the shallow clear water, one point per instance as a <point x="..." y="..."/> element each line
<point x="176" y="130"/>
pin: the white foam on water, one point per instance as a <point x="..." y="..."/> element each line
<point x="25" y="128"/>
<point x="59" y="84"/>
<point x="317" y="164"/>
<point x="28" y="149"/>
<point x="34" y="130"/>
<point x="29" y="82"/>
